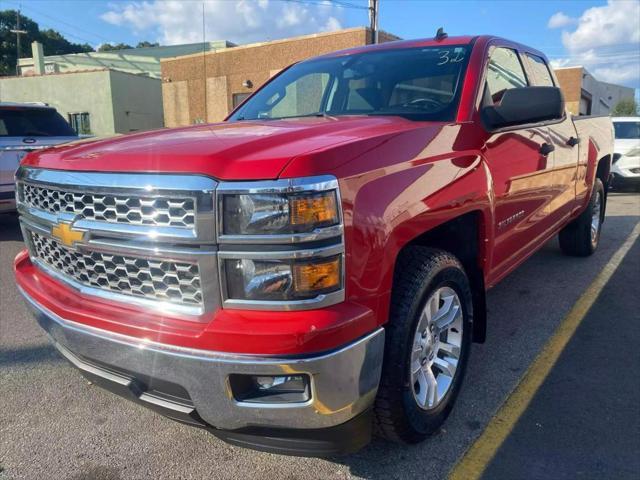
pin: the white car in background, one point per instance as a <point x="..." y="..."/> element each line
<point x="626" y="159"/>
<point x="25" y="127"/>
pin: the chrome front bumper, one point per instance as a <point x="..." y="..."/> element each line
<point x="344" y="382"/>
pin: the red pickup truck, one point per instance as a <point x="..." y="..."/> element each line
<point x="313" y="268"/>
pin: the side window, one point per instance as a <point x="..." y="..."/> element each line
<point x="504" y="72"/>
<point x="540" y="71"/>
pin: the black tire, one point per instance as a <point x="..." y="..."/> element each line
<point x="419" y="273"/>
<point x="576" y="239"/>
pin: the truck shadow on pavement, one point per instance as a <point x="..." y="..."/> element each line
<point x="10" y="228"/>
<point x="12" y="357"/>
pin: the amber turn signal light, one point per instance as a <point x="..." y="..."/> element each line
<point x="317" y="276"/>
<point x="315" y="209"/>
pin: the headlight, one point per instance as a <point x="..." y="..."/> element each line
<point x="292" y="246"/>
<point x="282" y="279"/>
<point x="277" y="213"/>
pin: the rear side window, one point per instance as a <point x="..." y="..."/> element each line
<point x="504" y="72"/>
<point x="33" y="122"/>
<point x="627" y="130"/>
<point x="540" y="71"/>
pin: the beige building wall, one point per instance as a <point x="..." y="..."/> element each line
<point x="225" y="72"/>
<point x="586" y="95"/>
<point x="116" y="102"/>
<point x="136" y="102"/>
<point x="570" y="80"/>
<point x="69" y="93"/>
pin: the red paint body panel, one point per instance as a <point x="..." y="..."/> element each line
<point x="398" y="179"/>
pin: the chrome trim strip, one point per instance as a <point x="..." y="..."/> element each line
<point x="290" y="185"/>
<point x="285" y="185"/>
<point x="295" y="238"/>
<point x="320" y="301"/>
<point x="120" y="230"/>
<point x="144" y="183"/>
<point x="284" y="255"/>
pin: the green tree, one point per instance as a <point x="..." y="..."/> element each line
<point x="53" y="42"/>
<point x="146" y="44"/>
<point x="107" y="47"/>
<point x="627" y="107"/>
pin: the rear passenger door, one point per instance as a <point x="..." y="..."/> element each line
<point x="564" y="158"/>
<point x="520" y="172"/>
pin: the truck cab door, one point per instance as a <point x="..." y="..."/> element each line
<point x="564" y="139"/>
<point x="521" y="169"/>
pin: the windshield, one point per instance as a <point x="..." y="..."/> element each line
<point x="415" y="83"/>
<point x="627" y="130"/>
<point x="33" y="122"/>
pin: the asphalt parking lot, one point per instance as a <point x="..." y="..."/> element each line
<point x="53" y="424"/>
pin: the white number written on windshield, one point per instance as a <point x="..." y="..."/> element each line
<point x="451" y="56"/>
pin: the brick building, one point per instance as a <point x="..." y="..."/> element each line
<point x="206" y="87"/>
<point x="584" y="95"/>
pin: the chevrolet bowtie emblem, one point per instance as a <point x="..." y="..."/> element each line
<point x="66" y="234"/>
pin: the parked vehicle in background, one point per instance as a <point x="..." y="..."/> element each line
<point x="626" y="159"/>
<point x="25" y="127"/>
<point x="316" y="264"/>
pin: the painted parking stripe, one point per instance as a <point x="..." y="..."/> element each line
<point x="474" y="462"/>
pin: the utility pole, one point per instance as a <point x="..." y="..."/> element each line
<point x="18" y="32"/>
<point x="373" y="19"/>
<point x="204" y="67"/>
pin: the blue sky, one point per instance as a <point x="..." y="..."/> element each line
<point x="602" y="35"/>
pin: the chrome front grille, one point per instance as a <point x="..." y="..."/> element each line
<point x="125" y="209"/>
<point x="140" y="239"/>
<point x="163" y="280"/>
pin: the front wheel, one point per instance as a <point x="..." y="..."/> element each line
<point x="428" y="339"/>
<point x="581" y="237"/>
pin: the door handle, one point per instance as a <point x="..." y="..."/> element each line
<point x="573" y="141"/>
<point x="546" y="149"/>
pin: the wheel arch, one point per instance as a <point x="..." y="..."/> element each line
<point x="462" y="236"/>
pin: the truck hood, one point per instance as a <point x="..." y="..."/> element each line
<point x="227" y="151"/>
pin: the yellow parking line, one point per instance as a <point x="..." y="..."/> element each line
<point x="474" y="462"/>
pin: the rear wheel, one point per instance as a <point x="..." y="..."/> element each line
<point x="581" y="237"/>
<point x="427" y="343"/>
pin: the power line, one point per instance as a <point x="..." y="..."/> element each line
<point x="39" y="12"/>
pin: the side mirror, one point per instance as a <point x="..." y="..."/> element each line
<point x="521" y="106"/>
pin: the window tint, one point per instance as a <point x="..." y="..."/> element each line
<point x="627" y="130"/>
<point x="540" y="71"/>
<point x="33" y="122"/>
<point x="504" y="72"/>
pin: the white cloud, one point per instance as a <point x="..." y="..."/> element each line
<point x="605" y="40"/>
<point x="241" y="21"/>
<point x="560" y="20"/>
<point x="612" y="24"/>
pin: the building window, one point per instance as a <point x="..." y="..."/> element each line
<point x="586" y="100"/>
<point x="238" y="98"/>
<point x="80" y="123"/>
